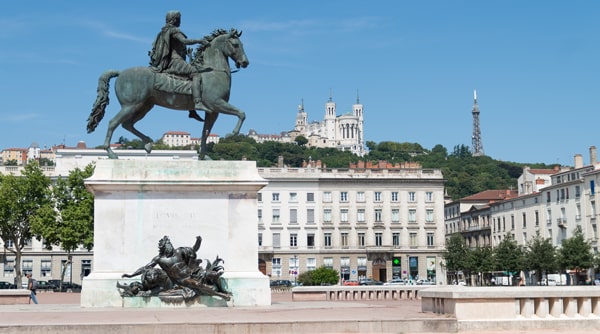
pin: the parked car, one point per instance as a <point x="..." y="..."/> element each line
<point x="66" y="286"/>
<point x="46" y="286"/>
<point x="350" y="283"/>
<point x="7" y="285"/>
<point x="425" y="282"/>
<point x="71" y="287"/>
<point x="281" y="282"/>
<point x="395" y="281"/>
<point x="369" y="281"/>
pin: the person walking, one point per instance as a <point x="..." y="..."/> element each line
<point x="31" y="285"/>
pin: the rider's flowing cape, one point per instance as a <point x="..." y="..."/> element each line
<point x="161" y="48"/>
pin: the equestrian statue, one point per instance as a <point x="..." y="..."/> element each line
<point x="171" y="82"/>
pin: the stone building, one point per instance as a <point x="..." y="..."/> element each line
<point x="364" y="222"/>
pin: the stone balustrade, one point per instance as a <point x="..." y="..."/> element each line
<point x="490" y="303"/>
<point x="357" y="293"/>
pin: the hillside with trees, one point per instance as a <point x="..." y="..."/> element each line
<point x="465" y="174"/>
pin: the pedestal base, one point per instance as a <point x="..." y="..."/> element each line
<point x="138" y="202"/>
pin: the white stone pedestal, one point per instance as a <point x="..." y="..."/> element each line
<point x="137" y="202"/>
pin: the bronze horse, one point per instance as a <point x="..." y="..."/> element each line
<point x="138" y="91"/>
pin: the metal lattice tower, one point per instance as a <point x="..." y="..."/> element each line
<point x="476" y="139"/>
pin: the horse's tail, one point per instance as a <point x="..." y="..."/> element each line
<point x="101" y="100"/>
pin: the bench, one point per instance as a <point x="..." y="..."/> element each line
<point x="14" y="296"/>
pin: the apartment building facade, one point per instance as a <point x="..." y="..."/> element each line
<point x="364" y="223"/>
<point x="471" y="216"/>
<point x="551" y="202"/>
<point x="554" y="211"/>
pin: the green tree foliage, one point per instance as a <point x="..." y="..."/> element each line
<point x="395" y="152"/>
<point x="456" y="253"/>
<point x="68" y="219"/>
<point x="320" y="276"/>
<point x="575" y="252"/>
<point x="20" y="199"/>
<point x="234" y="148"/>
<point x="480" y="260"/>
<point x="46" y="162"/>
<point x="301" y="140"/>
<point x="540" y="256"/>
<point x="508" y="255"/>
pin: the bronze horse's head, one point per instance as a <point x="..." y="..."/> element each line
<point x="235" y="48"/>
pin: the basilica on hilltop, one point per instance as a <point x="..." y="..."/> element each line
<point x="343" y="132"/>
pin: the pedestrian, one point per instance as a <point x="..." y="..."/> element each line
<point x="32" y="285"/>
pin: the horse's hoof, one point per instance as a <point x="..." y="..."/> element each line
<point x="148" y="147"/>
<point x="111" y="154"/>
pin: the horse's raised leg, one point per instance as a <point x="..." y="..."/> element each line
<point x="225" y="107"/>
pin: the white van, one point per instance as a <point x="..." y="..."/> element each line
<point x="556" y="279"/>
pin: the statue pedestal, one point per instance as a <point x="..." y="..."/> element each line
<point x="137" y="202"/>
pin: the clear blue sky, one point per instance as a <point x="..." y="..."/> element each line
<point x="415" y="64"/>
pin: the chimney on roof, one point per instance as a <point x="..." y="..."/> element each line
<point x="578" y="160"/>
<point x="593" y="156"/>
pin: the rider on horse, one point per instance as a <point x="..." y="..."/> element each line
<point x="169" y="52"/>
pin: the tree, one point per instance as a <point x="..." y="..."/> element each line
<point x="320" y="276"/>
<point x="68" y="220"/>
<point x="508" y="255"/>
<point x="575" y="252"/>
<point x="480" y="260"/>
<point x="20" y="199"/>
<point x="456" y="252"/>
<point x="46" y="162"/>
<point x="440" y="149"/>
<point x="301" y="140"/>
<point x="540" y="256"/>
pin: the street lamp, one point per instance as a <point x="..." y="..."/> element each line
<point x="295" y="269"/>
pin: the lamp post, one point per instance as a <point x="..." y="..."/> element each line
<point x="295" y="269"/>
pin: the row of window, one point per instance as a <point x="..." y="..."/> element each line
<point x="344" y="216"/>
<point x="344" y="196"/>
<point x="45" y="267"/>
<point x="562" y="194"/>
<point x="345" y="242"/>
<point x="311" y="263"/>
